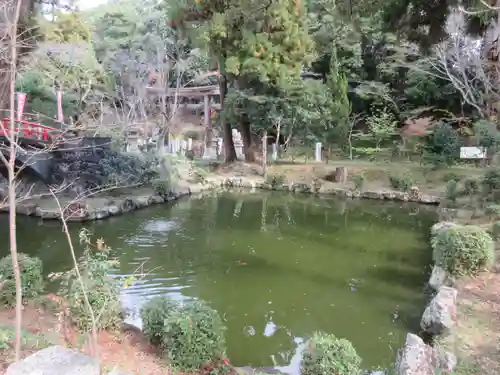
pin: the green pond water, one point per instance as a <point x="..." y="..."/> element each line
<point x="277" y="267"/>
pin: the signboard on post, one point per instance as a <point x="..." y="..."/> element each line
<point x="21" y="101"/>
<point x="472" y="153"/>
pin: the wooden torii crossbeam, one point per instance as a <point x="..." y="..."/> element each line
<point x="191" y="92"/>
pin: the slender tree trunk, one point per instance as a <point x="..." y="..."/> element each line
<point x="229" y="151"/>
<point x="9" y="26"/>
<point x="24" y="10"/>
<point x="491" y="54"/>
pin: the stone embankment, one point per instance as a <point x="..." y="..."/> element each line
<point x="101" y="207"/>
<point x="438" y="321"/>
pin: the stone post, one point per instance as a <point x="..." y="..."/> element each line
<point x="274" y="156"/>
<point x="238" y="144"/>
<point x="318" y="152"/>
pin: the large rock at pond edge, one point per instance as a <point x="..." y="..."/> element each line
<point x="441" y="314"/>
<point x="415" y="358"/>
<point x="55" y="360"/>
<point x="439" y="277"/>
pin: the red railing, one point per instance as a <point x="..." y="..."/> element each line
<point x="29" y="130"/>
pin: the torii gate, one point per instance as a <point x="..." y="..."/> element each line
<point x="195" y="92"/>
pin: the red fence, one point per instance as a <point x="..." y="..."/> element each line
<point x="31" y="130"/>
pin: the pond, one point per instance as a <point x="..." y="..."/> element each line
<point x="277" y="267"/>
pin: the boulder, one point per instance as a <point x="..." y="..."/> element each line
<point x="415" y="358"/>
<point x="373" y="194"/>
<point x="439" y="277"/>
<point x="55" y="360"/>
<point x="418" y="358"/>
<point x="446" y="361"/>
<point x="441" y="314"/>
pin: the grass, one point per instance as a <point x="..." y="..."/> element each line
<point x="30" y="342"/>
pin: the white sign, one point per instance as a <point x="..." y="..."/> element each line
<point x="472" y="153"/>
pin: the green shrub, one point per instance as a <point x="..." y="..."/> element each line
<point x="471" y="187"/>
<point x="154" y="314"/>
<point x="325" y="354"/>
<point x="463" y="249"/>
<point x="102" y="290"/>
<point x="402" y="183"/>
<point x="5" y="339"/>
<point x="452" y="191"/>
<point x="161" y="187"/>
<point x="275" y="180"/>
<point x="451" y="176"/>
<point x="442" y="146"/>
<point x="493" y="211"/>
<point x="490" y="184"/>
<point x="190" y="334"/>
<point x="495" y="230"/>
<point x="358" y="181"/>
<point x="31" y="279"/>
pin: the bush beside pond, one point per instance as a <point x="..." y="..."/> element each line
<point x="463" y="249"/>
<point x="325" y="354"/>
<point x="190" y="334"/>
<point x="31" y="269"/>
<point x="101" y="290"/>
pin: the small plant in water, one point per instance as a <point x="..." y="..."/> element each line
<point x="275" y="180"/>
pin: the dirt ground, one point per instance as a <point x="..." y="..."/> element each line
<point x="127" y="349"/>
<point x="476" y="339"/>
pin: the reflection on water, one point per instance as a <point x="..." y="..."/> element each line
<point x="276" y="267"/>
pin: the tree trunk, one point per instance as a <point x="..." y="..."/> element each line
<point x="246" y="135"/>
<point x="229" y="151"/>
<point x="24" y="41"/>
<point x="491" y="54"/>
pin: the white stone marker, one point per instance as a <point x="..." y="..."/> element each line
<point x="318" y="151"/>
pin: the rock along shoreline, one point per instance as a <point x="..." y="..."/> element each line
<point x="100" y="207"/>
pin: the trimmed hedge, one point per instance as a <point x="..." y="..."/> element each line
<point x="191" y="334"/>
<point x="463" y="249"/>
<point x="325" y="354"/>
<point x="31" y="279"/>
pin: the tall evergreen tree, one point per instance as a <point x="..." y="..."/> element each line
<point x="259" y="46"/>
